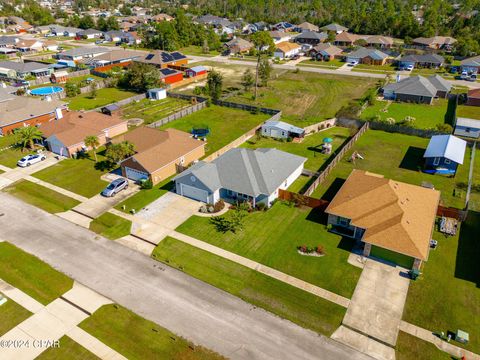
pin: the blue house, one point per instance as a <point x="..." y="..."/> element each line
<point x="443" y="155"/>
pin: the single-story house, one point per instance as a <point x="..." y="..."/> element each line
<point x="473" y="97"/>
<point x="163" y="59"/>
<point x="114" y="35"/>
<point x="50" y="45"/>
<point x="367" y="56"/>
<point x="435" y="42"/>
<point x="380" y="41"/>
<point x="71" y="31"/>
<point x="8" y="41"/>
<point x="283" y="26"/>
<point x="281" y="130"/>
<point x="392" y="219"/>
<point x="467" y="128"/>
<point x="238" y="46"/>
<point x="325" y="52"/>
<point x="80" y="53"/>
<point x="157" y="94"/>
<point x="471" y="65"/>
<point x="162" y="17"/>
<point x="196" y="71"/>
<point x="280" y="36"/>
<point x="306" y="26"/>
<point x="65" y="134"/>
<point x="311" y="37"/>
<point x="170" y="76"/>
<point x="444" y="153"/>
<point x="29" y="45"/>
<point x="244" y="175"/>
<point x="113" y="58"/>
<point x="19" y="111"/>
<point x="20" y="70"/>
<point x="159" y="154"/>
<point x="347" y="39"/>
<point x="334" y="28"/>
<point x="286" y="50"/>
<point x="418" y="89"/>
<point x="90" y="34"/>
<point x="425" y="60"/>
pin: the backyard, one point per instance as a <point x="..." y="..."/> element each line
<point x="271" y="237"/>
<point x="296" y="305"/>
<point x="104" y="97"/>
<point x="225" y="124"/>
<point x="151" y="111"/>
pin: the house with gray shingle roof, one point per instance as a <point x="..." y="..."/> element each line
<point x="311" y="37"/>
<point x="255" y="176"/>
<point x="334" y="28"/>
<point x="418" y="89"/>
<point x="367" y="56"/>
<point x="425" y="60"/>
<point x="471" y="65"/>
<point x="325" y="52"/>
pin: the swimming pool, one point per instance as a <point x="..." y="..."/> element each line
<point x="46" y="90"/>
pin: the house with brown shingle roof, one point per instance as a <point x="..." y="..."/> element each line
<point x="286" y="49"/>
<point x="159" y="154"/>
<point x="393" y="220"/>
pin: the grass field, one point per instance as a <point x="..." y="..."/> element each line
<point x="68" y="349"/>
<point x="12" y="314"/>
<point x="225" y="124"/>
<point x="271" y="238"/>
<point x="309" y="147"/>
<point x="151" y="111"/>
<point x="197" y="50"/>
<point x="145" y="197"/>
<point x="104" y="97"/>
<point x="40" y="196"/>
<point x="447" y="295"/>
<point x="81" y="176"/>
<point x="410" y="347"/>
<point x="111" y="226"/>
<point x="31" y="275"/>
<point x="387" y="68"/>
<point x="335" y="64"/>
<point x="298" y="306"/>
<point x="397" y="157"/>
<point x="137" y="338"/>
<point x="9" y="157"/>
<point x="472" y="112"/>
<point x="427" y="116"/>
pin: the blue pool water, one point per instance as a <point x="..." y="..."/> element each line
<point x="46" y="90"/>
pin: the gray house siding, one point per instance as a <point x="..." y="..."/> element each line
<point x="414" y="98"/>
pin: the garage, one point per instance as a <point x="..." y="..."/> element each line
<point x="193" y="193"/>
<point x="393" y="257"/>
<point x="135" y="175"/>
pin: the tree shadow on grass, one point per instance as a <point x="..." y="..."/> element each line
<point x="104" y="165"/>
<point x="468" y="252"/>
<point x="413" y="159"/>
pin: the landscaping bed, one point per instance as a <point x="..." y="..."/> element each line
<point x="12" y="314"/>
<point x="151" y="111"/>
<point x="68" y="349"/>
<point x="104" y="97"/>
<point x="111" y="226"/>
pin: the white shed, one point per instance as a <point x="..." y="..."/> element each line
<point x="157" y="94"/>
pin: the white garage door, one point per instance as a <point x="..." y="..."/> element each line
<point x="194" y="193"/>
<point x="135" y="175"/>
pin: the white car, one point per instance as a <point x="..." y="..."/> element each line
<point x="409" y="68"/>
<point x="353" y="63"/>
<point x="31" y="159"/>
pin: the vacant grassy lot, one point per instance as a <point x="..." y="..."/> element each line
<point x="410" y="347"/>
<point x="225" y="124"/>
<point x="68" y="349"/>
<point x="104" y="97"/>
<point x="397" y="157"/>
<point x="197" y="50"/>
<point x="296" y="305"/>
<point x="31" y="275"/>
<point x="137" y="338"/>
<point x="12" y="314"/>
<point x="271" y="238"/>
<point x="42" y="197"/>
<point x="387" y="68"/>
<point x="325" y="64"/>
<point x="310" y="147"/>
<point x="145" y="197"/>
<point x="81" y="176"/>
<point x="111" y="226"/>
<point x="427" y="116"/>
<point x="447" y="295"/>
<point x="151" y="111"/>
<point x="472" y="112"/>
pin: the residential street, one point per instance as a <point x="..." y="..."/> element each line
<point x="184" y="305"/>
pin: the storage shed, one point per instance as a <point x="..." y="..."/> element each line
<point x="281" y="130"/>
<point x="157" y="94"/>
<point x="196" y="71"/>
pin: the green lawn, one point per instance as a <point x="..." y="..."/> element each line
<point x="336" y="63"/>
<point x="111" y="226"/>
<point x="104" y="97"/>
<point x="427" y="116"/>
<point x="197" y="51"/>
<point x="410" y="347"/>
<point x="145" y="197"/>
<point x="40" y="196"/>
<point x="12" y="314"/>
<point x="309" y="147"/>
<point x="10" y="156"/>
<point x="68" y="349"/>
<point x="387" y="68"/>
<point x="447" y="295"/>
<point x="472" y="112"/>
<point x="271" y="238"/>
<point x="225" y="124"/>
<point x="151" y="111"/>
<point x="81" y="176"/>
<point x="301" y="184"/>
<point x="137" y="338"/>
<point x="298" y="306"/>
<point x="398" y="157"/>
<point x="31" y="275"/>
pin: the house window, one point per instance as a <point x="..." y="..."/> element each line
<point x="467" y="130"/>
<point x="343" y="221"/>
<point x="447" y="161"/>
<point x="436" y="161"/>
<point x="283" y="133"/>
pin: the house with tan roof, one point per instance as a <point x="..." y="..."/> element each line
<point x="65" y="134"/>
<point x="392" y="219"/>
<point x="159" y="154"/>
<point x="435" y="42"/>
<point x="286" y="49"/>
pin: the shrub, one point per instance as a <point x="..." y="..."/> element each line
<point x="390" y="121"/>
<point x="147" y="184"/>
<point x="320" y="250"/>
<point x="219" y="205"/>
<point x="446" y="128"/>
<point x="261" y="206"/>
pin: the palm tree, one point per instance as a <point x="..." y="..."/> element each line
<point x="27" y="135"/>
<point x="91" y="141"/>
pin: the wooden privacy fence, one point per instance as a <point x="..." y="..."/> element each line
<point x="453" y="213"/>
<point x="323" y="175"/>
<point x="302" y="199"/>
<point x="201" y="103"/>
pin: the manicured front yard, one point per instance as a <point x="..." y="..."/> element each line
<point x="387" y="68"/>
<point x="104" y="97"/>
<point x="310" y="147"/>
<point x="10" y="155"/>
<point x="325" y="64"/>
<point x="68" y="349"/>
<point x="31" y="275"/>
<point x="81" y="176"/>
<point x="145" y="197"/>
<point x="111" y="226"/>
<point x="225" y="124"/>
<point x="447" y="295"/>
<point x="11" y="314"/>
<point x="410" y="347"/>
<point x="151" y="111"/>
<point x="271" y="238"/>
<point x="40" y="196"/>
<point x="298" y="306"/>
<point x="137" y="338"/>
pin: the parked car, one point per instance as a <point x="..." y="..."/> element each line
<point x="352" y="63"/>
<point x="31" y="159"/>
<point x="99" y="42"/>
<point x="472" y="78"/>
<point x="409" y="68"/>
<point x="115" y="187"/>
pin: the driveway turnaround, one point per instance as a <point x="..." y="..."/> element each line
<point x="182" y="304"/>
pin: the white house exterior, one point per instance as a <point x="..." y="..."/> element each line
<point x="285" y="50"/>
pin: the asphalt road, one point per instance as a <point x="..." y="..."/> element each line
<point x="186" y="306"/>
